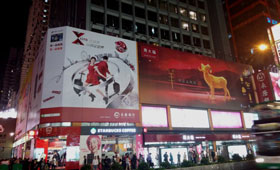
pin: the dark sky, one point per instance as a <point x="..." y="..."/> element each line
<point x="13" y="23"/>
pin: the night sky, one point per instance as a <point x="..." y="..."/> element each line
<point x="13" y="22"/>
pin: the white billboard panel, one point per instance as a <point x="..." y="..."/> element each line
<point x="84" y="70"/>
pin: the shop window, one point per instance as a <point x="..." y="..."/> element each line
<point x="187" y="39"/>
<point x="98" y="2"/>
<point x="164" y="34"/>
<point x="153" y="31"/>
<point x="152" y="16"/>
<point x="174" y="22"/>
<point x="192" y="2"/>
<point x="206" y="44"/>
<point x="140" y="28"/>
<point x="196" y="42"/>
<point x="203" y="17"/>
<point x="113" y="4"/>
<point x="97" y="17"/>
<point x="113" y="21"/>
<point x="126" y="8"/>
<point x="152" y="3"/>
<point x="193" y="15"/>
<point x="195" y="28"/>
<point x="185" y="26"/>
<point x="176" y="37"/>
<point x="127" y="25"/>
<point x="163" y="4"/>
<point x="200" y="4"/>
<point x="183" y="11"/>
<point x="204" y="30"/>
<point x="173" y="8"/>
<point x="163" y="19"/>
<point x="140" y="12"/>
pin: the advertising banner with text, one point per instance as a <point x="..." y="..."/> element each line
<point x="90" y="77"/>
<point x="177" y="78"/>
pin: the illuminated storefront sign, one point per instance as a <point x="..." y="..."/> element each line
<point x="109" y="130"/>
<point x="222" y="119"/>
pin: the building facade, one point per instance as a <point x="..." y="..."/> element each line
<point x="178" y="24"/>
<point x="149" y="102"/>
<point x="249" y="21"/>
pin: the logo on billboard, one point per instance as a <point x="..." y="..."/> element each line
<point x="117" y="115"/>
<point x="121" y="46"/>
<point x="79" y="38"/>
<point x="260" y="77"/>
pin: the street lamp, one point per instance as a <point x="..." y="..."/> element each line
<point x="260" y="47"/>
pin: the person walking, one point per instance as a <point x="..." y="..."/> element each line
<point x="95" y="163"/>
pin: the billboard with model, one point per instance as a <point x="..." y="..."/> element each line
<point x="177" y="78"/>
<point x="88" y="74"/>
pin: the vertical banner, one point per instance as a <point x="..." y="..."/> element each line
<point x="90" y="146"/>
<point x="262" y="82"/>
<point x="275" y="81"/>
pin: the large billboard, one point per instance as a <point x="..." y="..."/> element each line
<point x="177" y="78"/>
<point x="90" y="77"/>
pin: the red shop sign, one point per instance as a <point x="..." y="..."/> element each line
<point x="264" y="90"/>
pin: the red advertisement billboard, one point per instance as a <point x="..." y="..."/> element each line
<point x="263" y="87"/>
<point x="172" y="77"/>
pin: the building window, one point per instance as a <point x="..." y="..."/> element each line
<point x="152" y="3"/>
<point x="204" y="30"/>
<point x="176" y="37"/>
<point x="163" y="4"/>
<point x="206" y="44"/>
<point x="187" y="39"/>
<point x="203" y="17"/>
<point x="193" y="15"/>
<point x="113" y="21"/>
<point x="200" y="4"/>
<point x="140" y="28"/>
<point x="185" y="26"/>
<point x="174" y="22"/>
<point x="98" y="2"/>
<point x="97" y="17"/>
<point x="164" y="34"/>
<point x="183" y="12"/>
<point x="196" y="42"/>
<point x="139" y="12"/>
<point x="195" y="28"/>
<point x="153" y="31"/>
<point x="152" y="16"/>
<point x="113" y="4"/>
<point x="173" y="8"/>
<point x="127" y="25"/>
<point x="192" y="2"/>
<point x="163" y="19"/>
<point x="126" y="8"/>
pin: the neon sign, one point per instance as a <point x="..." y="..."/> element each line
<point x="271" y="21"/>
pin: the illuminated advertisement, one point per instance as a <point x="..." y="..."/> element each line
<point x="154" y="116"/>
<point x="263" y="88"/>
<point x="222" y="119"/>
<point x="90" y="146"/>
<point x="171" y="77"/>
<point x="189" y="118"/>
<point x="275" y="81"/>
<point x="276" y="37"/>
<point x="88" y="73"/>
<point x="249" y="119"/>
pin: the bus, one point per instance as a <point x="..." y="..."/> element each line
<point x="267" y="132"/>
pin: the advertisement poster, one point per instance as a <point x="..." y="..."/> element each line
<point x="87" y="72"/>
<point x="275" y="81"/>
<point x="177" y="78"/>
<point x="90" y="146"/>
<point x="262" y="81"/>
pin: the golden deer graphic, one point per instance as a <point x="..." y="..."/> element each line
<point x="214" y="81"/>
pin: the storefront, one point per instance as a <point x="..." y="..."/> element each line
<point x="181" y="146"/>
